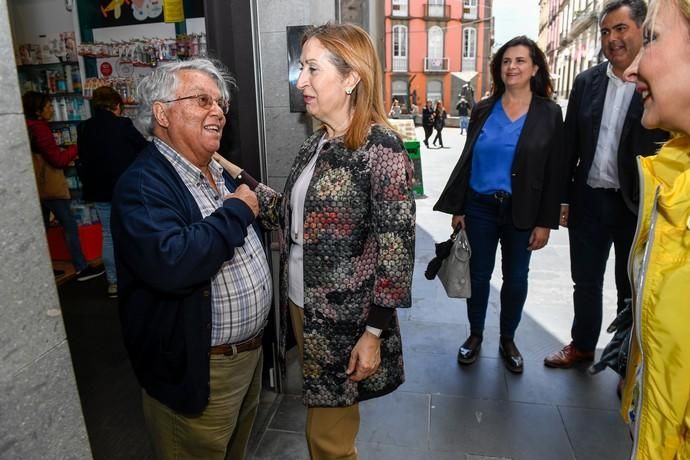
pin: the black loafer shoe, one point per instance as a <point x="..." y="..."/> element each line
<point x="469" y="351"/>
<point x="511" y="356"/>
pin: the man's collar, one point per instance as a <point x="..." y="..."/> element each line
<point x="186" y="166"/>
<point x="613" y="76"/>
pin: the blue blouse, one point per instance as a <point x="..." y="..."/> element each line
<point x="492" y="158"/>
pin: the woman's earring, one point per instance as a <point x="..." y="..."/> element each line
<point x="348" y="91"/>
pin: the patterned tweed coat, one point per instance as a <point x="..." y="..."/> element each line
<point x="359" y="227"/>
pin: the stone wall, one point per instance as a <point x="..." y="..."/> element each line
<point x="40" y="413"/>
<point x="285" y="131"/>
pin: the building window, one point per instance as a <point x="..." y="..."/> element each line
<point x="434" y="90"/>
<point x="469" y="9"/>
<point x="469" y="43"/>
<point x="435" y="42"/>
<point x="435" y="8"/>
<point x="399" y="48"/>
<point x="435" y="60"/>
<point x="399" y="8"/>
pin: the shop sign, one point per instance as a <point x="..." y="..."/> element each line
<point x="106" y="69"/>
<point x="173" y="10"/>
<point x="113" y="13"/>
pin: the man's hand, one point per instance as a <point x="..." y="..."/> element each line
<point x="565" y="211"/>
<point x="538" y="238"/>
<point x="365" y="357"/>
<point x="458" y="220"/>
<point x="247" y="196"/>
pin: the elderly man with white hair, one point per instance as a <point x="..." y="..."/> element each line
<point x="195" y="287"/>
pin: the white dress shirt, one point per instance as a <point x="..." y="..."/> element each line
<point x="604" y="170"/>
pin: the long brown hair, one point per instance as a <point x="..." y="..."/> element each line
<point x="351" y="49"/>
<point x="540" y="84"/>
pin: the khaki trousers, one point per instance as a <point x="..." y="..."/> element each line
<point x="331" y="431"/>
<point x="221" y="431"/>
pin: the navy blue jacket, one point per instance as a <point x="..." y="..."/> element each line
<point x="166" y="255"/>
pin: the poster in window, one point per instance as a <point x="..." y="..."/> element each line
<point x="112" y="13"/>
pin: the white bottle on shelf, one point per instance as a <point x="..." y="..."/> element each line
<point x="68" y="78"/>
<point x="62" y="104"/>
<point x="56" y="109"/>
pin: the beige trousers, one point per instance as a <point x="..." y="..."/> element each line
<point x="331" y="431"/>
<point x="221" y="431"/>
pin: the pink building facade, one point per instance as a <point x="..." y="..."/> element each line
<point x="436" y="49"/>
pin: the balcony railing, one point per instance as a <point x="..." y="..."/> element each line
<point x="582" y="20"/>
<point x="437" y="11"/>
<point x="399" y="64"/>
<point x="436" y="64"/>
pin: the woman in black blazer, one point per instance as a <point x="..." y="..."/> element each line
<point x="506" y="188"/>
<point x="440" y="116"/>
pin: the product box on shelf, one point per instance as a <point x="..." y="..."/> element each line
<point x="90" y="237"/>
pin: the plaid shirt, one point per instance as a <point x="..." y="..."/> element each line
<point x="241" y="290"/>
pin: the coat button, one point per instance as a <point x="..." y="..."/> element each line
<point x="206" y="292"/>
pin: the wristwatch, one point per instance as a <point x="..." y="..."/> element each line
<point x="374" y="331"/>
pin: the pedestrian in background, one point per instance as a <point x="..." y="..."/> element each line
<point x="395" y="110"/>
<point x="428" y="121"/>
<point x="439" y="122"/>
<point x="108" y="144"/>
<point x="506" y="188"/>
<point x="463" y="108"/>
<point x="49" y="162"/>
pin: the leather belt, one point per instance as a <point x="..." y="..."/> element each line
<point x="490" y="198"/>
<point x="501" y="195"/>
<point x="230" y="349"/>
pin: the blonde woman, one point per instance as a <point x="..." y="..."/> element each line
<point x="656" y="401"/>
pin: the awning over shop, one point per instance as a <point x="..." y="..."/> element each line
<point x="465" y="75"/>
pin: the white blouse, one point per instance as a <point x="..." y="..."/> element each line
<point x="296" y="257"/>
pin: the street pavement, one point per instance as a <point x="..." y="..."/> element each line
<point x="444" y="411"/>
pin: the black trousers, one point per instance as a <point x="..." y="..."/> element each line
<point x="438" y="137"/>
<point x="428" y="131"/>
<point x="603" y="220"/>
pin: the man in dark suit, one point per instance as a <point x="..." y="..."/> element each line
<point x="603" y="137"/>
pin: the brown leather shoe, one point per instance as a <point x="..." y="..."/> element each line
<point x="568" y="356"/>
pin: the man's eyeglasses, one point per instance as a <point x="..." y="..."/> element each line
<point x="205" y="101"/>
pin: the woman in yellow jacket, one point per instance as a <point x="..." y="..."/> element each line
<point x="656" y="398"/>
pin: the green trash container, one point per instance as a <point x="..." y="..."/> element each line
<point x="415" y="155"/>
